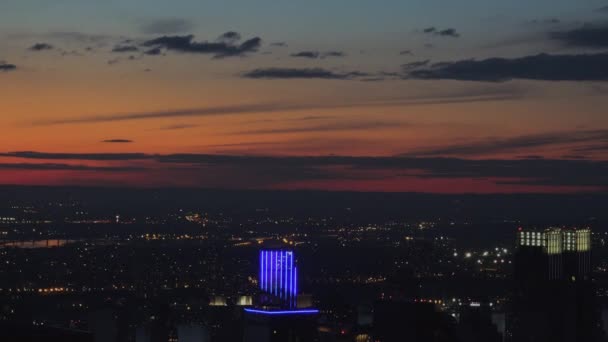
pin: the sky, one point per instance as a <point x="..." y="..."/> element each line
<point x="410" y="96"/>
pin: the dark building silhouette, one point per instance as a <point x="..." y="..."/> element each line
<point x="18" y="333"/>
<point x="396" y="321"/>
<point x="278" y="326"/>
<point x="476" y="325"/>
<point x="553" y="297"/>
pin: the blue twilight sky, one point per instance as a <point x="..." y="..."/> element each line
<point x="334" y="18"/>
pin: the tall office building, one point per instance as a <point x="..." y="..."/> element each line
<point x="277" y="315"/>
<point x="279" y="275"/>
<point x="553" y="298"/>
<point x="553" y="254"/>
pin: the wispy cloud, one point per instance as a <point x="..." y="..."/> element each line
<point x="67" y="167"/>
<point x="77" y="156"/>
<point x="118" y="141"/>
<point x="463" y="95"/>
<point x="516" y="144"/>
<point x="178" y="126"/>
<point x="328" y="127"/>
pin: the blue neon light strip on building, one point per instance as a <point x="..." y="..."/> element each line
<point x="284" y="312"/>
<point x="278" y="275"/>
<point x="293" y="295"/>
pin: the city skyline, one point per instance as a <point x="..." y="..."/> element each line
<point x="405" y="96"/>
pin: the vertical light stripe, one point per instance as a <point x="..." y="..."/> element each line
<point x="265" y="271"/>
<point x="281" y="274"/>
<point x="291" y="273"/>
<point x="295" y="283"/>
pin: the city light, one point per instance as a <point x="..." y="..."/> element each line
<point x="284" y="312"/>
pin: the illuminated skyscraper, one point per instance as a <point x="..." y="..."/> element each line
<point x="553" y="297"/>
<point x="279" y="275"/>
<point x="277" y="315"/>
<point x="554" y="253"/>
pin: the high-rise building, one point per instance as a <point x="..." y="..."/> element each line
<point x="553" y="298"/>
<point x="553" y="254"/>
<point x="279" y="275"/>
<point x="278" y="316"/>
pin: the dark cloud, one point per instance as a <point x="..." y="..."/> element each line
<point x="448" y="32"/>
<point x="589" y="36"/>
<point x="415" y="64"/>
<point x="6" y="67"/>
<point x="574" y="156"/>
<point x="317" y="54"/>
<point x="118" y="141"/>
<point x="41" y="47"/>
<point x="250" y="45"/>
<point x="583" y="67"/>
<point x="125" y="48"/>
<point x="602" y="9"/>
<point x="306" y="54"/>
<point x="305" y="73"/>
<point x="219" y="49"/>
<point x="229" y="37"/>
<point x="333" y="54"/>
<point x="167" y="26"/>
<point x="328" y="127"/>
<point x="518" y="171"/>
<point x="555" y="172"/>
<point x="154" y="52"/>
<point x="66" y="167"/>
<point x="76" y="156"/>
<point x="515" y="144"/>
<point x="279" y="44"/>
<point x="405" y="52"/>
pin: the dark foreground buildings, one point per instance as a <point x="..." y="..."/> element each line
<point x="553" y="297"/>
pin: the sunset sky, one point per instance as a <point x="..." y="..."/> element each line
<point x="395" y="95"/>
